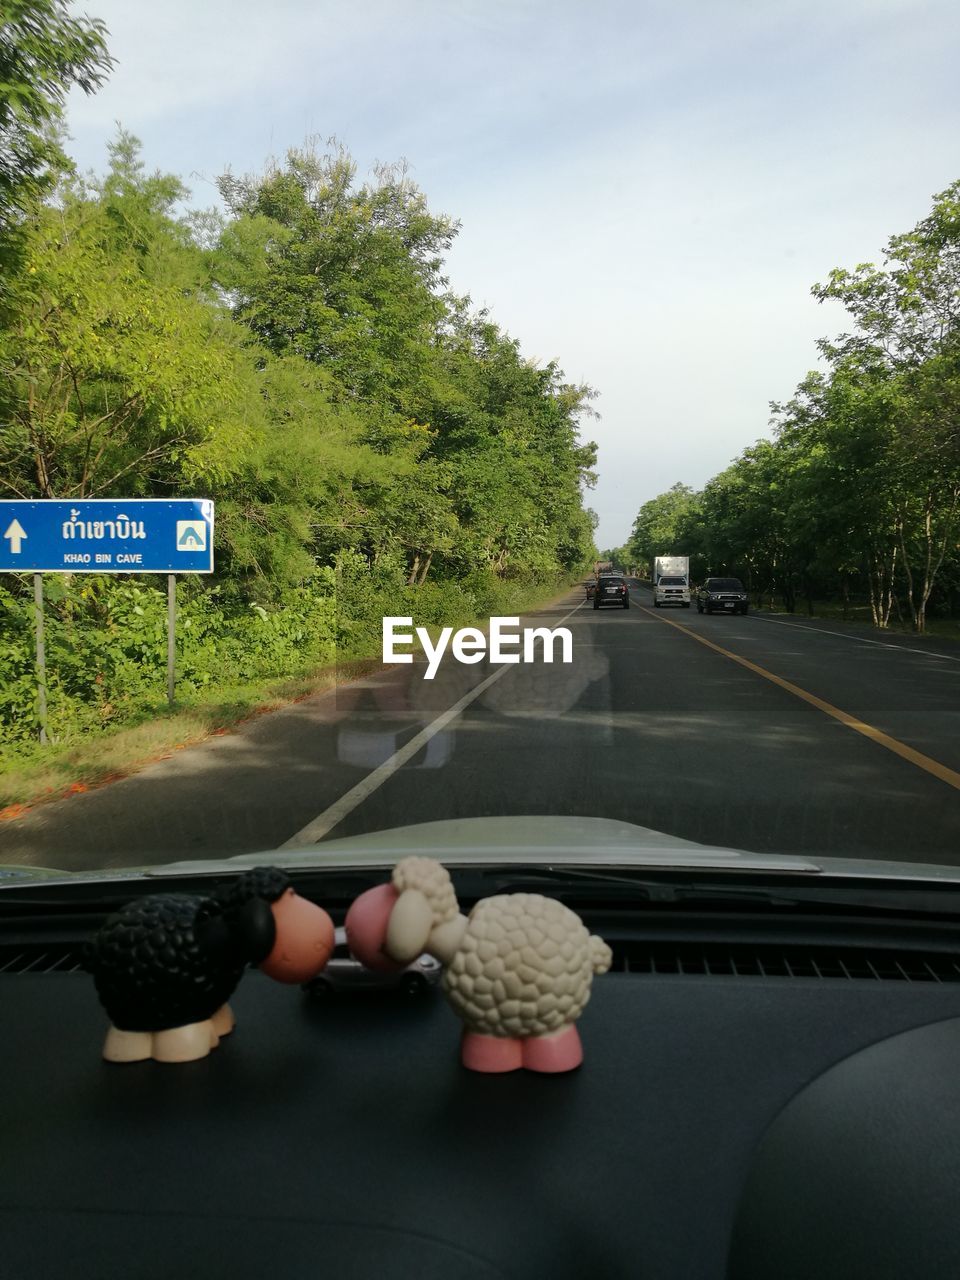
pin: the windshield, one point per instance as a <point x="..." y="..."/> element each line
<point x="343" y="380"/>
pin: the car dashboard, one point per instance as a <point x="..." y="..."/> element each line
<point x="736" y="1116"/>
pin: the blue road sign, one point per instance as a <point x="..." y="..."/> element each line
<point x="106" y="535"/>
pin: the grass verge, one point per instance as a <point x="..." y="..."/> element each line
<point x="63" y="769"/>
<point x="70" y="768"/>
<point x="936" y="628"/>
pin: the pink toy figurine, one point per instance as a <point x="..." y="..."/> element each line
<point x="517" y="970"/>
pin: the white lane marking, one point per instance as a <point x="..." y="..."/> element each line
<point x="822" y="631"/>
<point x="314" y="831"/>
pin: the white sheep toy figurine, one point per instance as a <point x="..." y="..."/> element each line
<point x="517" y="970"/>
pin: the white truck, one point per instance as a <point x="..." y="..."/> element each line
<point x="671" y="581"/>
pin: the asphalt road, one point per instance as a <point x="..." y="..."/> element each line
<point x="777" y="735"/>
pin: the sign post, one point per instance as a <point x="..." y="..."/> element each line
<point x="171" y="634"/>
<point x="105" y="535"/>
<point x="41" y="657"/>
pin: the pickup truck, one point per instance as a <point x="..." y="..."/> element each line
<point x="722" y="595"/>
<point x="672" y="590"/>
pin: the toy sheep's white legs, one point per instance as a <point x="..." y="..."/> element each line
<point x="127" y="1046"/>
<point x="223" y="1020"/>
<point x="185" y="1044"/>
<point x="179" y="1044"/>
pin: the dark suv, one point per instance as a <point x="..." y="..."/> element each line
<point x="723" y="595"/>
<point x="611" y="589"/>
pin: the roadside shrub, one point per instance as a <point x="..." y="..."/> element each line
<point x="106" y="643"/>
<point x="106" y="638"/>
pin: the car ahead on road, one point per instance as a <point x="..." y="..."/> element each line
<point x="591" y="586"/>
<point x="722" y="595"/>
<point x="671" y="590"/>
<point x="611" y="589"/>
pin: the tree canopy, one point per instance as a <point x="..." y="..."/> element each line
<point x="859" y="489"/>
<point x="43" y="52"/>
<point x="369" y="438"/>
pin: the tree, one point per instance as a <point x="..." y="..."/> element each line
<point x="863" y="476"/>
<point x="925" y="442"/>
<point x="110" y="381"/>
<point x="43" y="52"/>
<point x="901" y="364"/>
<point x="909" y="309"/>
<point x="483" y="467"/>
<point x="661" y="525"/>
<point x="341" y="274"/>
<point x="509" y="431"/>
<point x="834" y="434"/>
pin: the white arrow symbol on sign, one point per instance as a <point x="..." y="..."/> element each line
<point x="16" y="533"/>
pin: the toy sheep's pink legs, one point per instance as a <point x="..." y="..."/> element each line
<point x="550" y="1055"/>
<point x="492" y="1055"/>
<point x="560" y="1051"/>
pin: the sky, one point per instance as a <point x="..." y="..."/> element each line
<point x="647" y="191"/>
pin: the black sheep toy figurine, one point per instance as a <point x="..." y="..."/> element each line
<point x="166" y="965"/>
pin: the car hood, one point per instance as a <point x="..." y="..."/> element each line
<point x="534" y="840"/>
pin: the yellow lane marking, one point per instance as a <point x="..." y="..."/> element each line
<point x="941" y="771"/>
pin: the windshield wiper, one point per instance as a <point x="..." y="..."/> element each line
<point x="774" y="884"/>
<point x="876" y="896"/>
